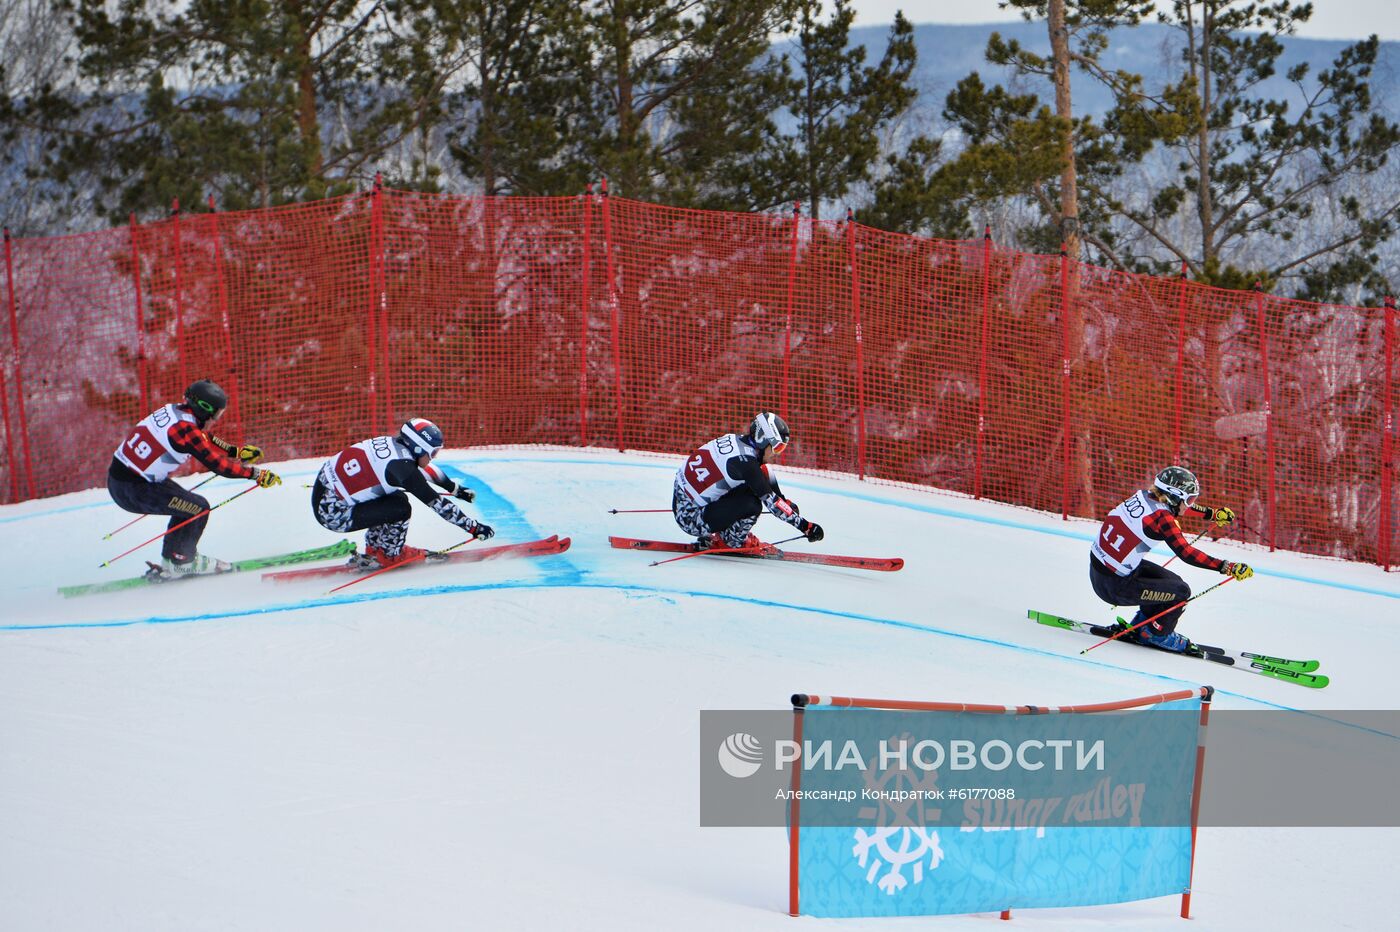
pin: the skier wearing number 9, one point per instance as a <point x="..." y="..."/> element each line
<point x="139" y="477"/>
<point x="1119" y="574"/>
<point x="362" y="488"/>
<point x="724" y="486"/>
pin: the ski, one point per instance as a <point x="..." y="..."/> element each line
<point x="329" y="552"/>
<point x="1280" y="668"/>
<point x="879" y="564"/>
<point x="534" y="548"/>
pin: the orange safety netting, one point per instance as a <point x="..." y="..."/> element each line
<point x="600" y="321"/>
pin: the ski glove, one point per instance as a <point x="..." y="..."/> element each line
<point x="266" y="478"/>
<point x="482" y="531"/>
<point x="1221" y="516"/>
<point x="460" y="491"/>
<point x="248" y="453"/>
<point x="1240" y="571"/>
<point x="813" y="531"/>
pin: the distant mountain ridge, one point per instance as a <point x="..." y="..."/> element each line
<point x="948" y="53"/>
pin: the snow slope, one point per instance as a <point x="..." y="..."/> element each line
<point x="513" y="745"/>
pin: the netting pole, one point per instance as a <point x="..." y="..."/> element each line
<point x="1268" y="405"/>
<point x="222" y="289"/>
<point x="860" y="344"/>
<point x="1180" y="362"/>
<point x="799" y="703"/>
<point x="141" y="369"/>
<point x="381" y="298"/>
<point x="19" y="370"/>
<point x="982" y="357"/>
<point x="5" y="408"/>
<point x="179" y="298"/>
<point x="371" y="318"/>
<point x="615" y="311"/>
<point x="583" y="319"/>
<point x="787" y="325"/>
<point x="1387" y="434"/>
<point x="1064" y="382"/>
<point x="9" y="440"/>
<point x="1207" y="694"/>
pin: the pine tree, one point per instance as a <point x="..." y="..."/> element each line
<point x="260" y="102"/>
<point x="513" y="117"/>
<point x="669" y="91"/>
<point x="1254" y="178"/>
<point x="840" y="108"/>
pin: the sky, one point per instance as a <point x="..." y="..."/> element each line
<point x="1331" y="19"/>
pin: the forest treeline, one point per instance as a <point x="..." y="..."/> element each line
<point x="109" y="109"/>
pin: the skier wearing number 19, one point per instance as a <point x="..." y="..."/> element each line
<point x="1120" y="575"/>
<point x="362" y="488"/>
<point x="724" y="486"/>
<point x="139" y="476"/>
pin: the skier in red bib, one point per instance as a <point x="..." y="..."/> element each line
<point x="724" y="486"/>
<point x="366" y="487"/>
<point x="1120" y="575"/>
<point x="139" y="476"/>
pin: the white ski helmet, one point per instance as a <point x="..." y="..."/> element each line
<point x="769" y="430"/>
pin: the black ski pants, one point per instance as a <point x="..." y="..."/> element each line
<point x="1150" y="587"/>
<point x="137" y="494"/>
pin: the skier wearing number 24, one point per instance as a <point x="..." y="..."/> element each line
<point x="139" y="477"/>
<point x="724" y="486"/>
<point x="1119" y="574"/>
<point x="362" y="488"/>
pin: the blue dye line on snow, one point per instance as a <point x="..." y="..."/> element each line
<point x="428" y="591"/>
<point x="797" y="484"/>
<point x="509" y="522"/>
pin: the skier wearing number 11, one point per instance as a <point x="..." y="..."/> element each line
<point x="1120" y="575"/>
<point x="724" y="486"/>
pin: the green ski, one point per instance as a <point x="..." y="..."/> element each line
<point x="1280" y="668"/>
<point x="342" y="548"/>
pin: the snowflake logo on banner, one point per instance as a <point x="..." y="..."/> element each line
<point x="901" y="836"/>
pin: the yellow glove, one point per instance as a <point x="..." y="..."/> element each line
<point x="1240" y="571"/>
<point x="249" y="454"/>
<point x="1221" y="516"/>
<point x="266" y="478"/>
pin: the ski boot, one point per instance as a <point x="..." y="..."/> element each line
<point x="751" y="544"/>
<point x="380" y="558"/>
<point x="200" y="565"/>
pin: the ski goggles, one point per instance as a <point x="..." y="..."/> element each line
<point x="779" y="447"/>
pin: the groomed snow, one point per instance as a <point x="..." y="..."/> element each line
<point x="513" y="745"/>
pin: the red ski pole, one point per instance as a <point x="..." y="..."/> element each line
<point x="394" y="566"/>
<point x="1169" y="608"/>
<point x="178" y="526"/>
<point x="211" y="478"/>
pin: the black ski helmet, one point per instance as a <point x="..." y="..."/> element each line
<point x="206" y="399"/>
<point x="769" y="430"/>
<point x="1176" y="486"/>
